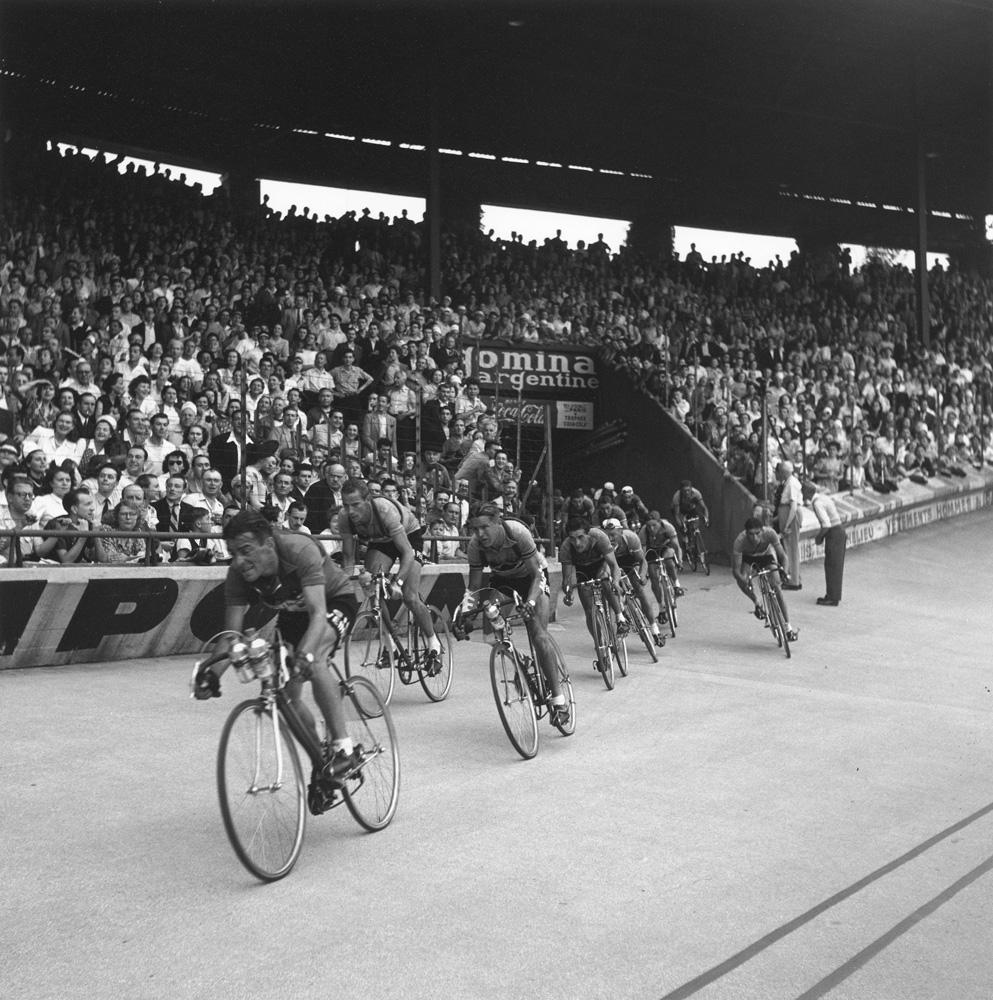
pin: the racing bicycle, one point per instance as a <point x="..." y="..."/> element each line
<point x="694" y="550"/>
<point x="610" y="649"/>
<point x="263" y="796"/>
<point x="519" y="687"/>
<point x="637" y="619"/>
<point x="384" y="643"/>
<point x="774" y="618"/>
<point x="664" y="590"/>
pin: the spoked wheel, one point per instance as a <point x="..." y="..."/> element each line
<point x="567" y="727"/>
<point x="261" y="789"/>
<point x="604" y="652"/>
<point x="406" y="670"/>
<point x="436" y="686"/>
<point x="637" y="617"/>
<point x="694" y="556"/>
<point x="670" y="607"/>
<point x="702" y="554"/>
<point x="513" y="701"/>
<point x="373" y="790"/>
<point x="369" y="654"/>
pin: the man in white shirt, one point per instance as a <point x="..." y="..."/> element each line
<point x="158" y="444"/>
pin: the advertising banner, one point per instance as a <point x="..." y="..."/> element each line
<point x="538" y="372"/>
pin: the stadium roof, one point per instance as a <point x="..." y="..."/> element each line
<point x="775" y="115"/>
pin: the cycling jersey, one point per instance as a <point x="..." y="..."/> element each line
<point x="510" y="559"/>
<point x="384" y="516"/>
<point x="596" y="552"/>
<point x="762" y="551"/>
<point x="627" y="550"/>
<point x="658" y="535"/>
<point x="302" y="563"/>
<point x="691" y="505"/>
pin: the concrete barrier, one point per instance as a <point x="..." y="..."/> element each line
<point x="870" y="517"/>
<point x="83" y="614"/>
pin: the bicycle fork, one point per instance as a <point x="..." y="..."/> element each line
<point x="268" y="713"/>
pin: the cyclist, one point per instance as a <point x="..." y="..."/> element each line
<point x="391" y="532"/>
<point x="660" y="540"/>
<point x="633" y="507"/>
<point x="760" y="548"/>
<point x="587" y="554"/>
<point x="687" y="501"/>
<point x="508" y="548"/>
<point x="631" y="559"/>
<point x="316" y="604"/>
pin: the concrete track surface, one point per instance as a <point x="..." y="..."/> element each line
<point x="726" y="824"/>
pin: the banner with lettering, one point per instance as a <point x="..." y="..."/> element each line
<point x="537" y="372"/>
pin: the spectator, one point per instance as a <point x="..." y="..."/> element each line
<point x="121" y="550"/>
<point x="15" y="517"/>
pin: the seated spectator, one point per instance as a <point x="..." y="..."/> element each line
<point x="73" y="548"/>
<point x="59" y="482"/>
<point x="200" y="551"/>
<point x="125" y="550"/>
<point x="15" y="517"/>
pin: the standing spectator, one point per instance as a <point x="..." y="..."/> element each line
<point x="789" y="500"/>
<point x="831" y="534"/>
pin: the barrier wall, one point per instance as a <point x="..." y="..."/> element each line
<point x="656" y="455"/>
<point x="870" y="517"/>
<point x="55" y="615"/>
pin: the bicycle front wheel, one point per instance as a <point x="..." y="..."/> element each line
<point x="373" y="790"/>
<point x="369" y="654"/>
<point x="604" y="653"/>
<point x="702" y="553"/>
<point x="637" y="617"/>
<point x="515" y="706"/>
<point x="565" y="726"/>
<point x="261" y="789"/>
<point x="780" y="622"/>
<point x="436" y="686"/>
<point x="670" y="606"/>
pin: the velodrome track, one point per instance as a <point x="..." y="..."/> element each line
<point x="727" y="824"/>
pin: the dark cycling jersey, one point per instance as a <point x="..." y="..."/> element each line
<point x="627" y="550"/>
<point x="658" y="534"/>
<point x="384" y="515"/>
<point x="511" y="558"/>
<point x="595" y="553"/>
<point x="302" y="563"/>
<point x="762" y="551"/>
<point x="691" y="505"/>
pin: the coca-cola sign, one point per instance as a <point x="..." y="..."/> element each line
<point x="512" y="410"/>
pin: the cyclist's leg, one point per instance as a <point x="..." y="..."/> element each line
<point x="644" y="599"/>
<point x="538" y="631"/>
<point x="655" y="576"/>
<point x="747" y="587"/>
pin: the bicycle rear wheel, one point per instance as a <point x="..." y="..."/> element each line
<point x="438" y="686"/>
<point x="369" y="653"/>
<point x="568" y="726"/>
<point x="604" y="653"/>
<point x="702" y="553"/>
<point x="261" y="790"/>
<point x="515" y="706"/>
<point x="637" y="617"/>
<point x="373" y="791"/>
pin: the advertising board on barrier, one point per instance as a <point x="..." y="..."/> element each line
<point x="539" y="373"/>
<point x="875" y="529"/>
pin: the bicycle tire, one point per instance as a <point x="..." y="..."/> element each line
<point x="373" y="792"/>
<point x="406" y="670"/>
<point x="701" y="552"/>
<point x="438" y="687"/>
<point x="670" y="606"/>
<point x="264" y="812"/>
<point x="368" y="653"/>
<point x="781" y="637"/>
<point x="637" y="615"/>
<point x="568" y="726"/>
<point x="772" y="615"/>
<point x="514" y="702"/>
<point x="603" y="648"/>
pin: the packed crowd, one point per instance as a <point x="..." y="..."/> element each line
<point x="149" y="331"/>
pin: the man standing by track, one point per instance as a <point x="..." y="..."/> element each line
<point x="832" y="534"/>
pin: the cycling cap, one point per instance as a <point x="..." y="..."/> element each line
<point x="611" y="522"/>
<point x="608" y="486"/>
<point x="628" y="489"/>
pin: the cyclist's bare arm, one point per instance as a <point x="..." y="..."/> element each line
<point x="407" y="560"/>
<point x="234" y="618"/>
<point x="318" y="638"/>
<point x="615" y="570"/>
<point x="537" y="589"/>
